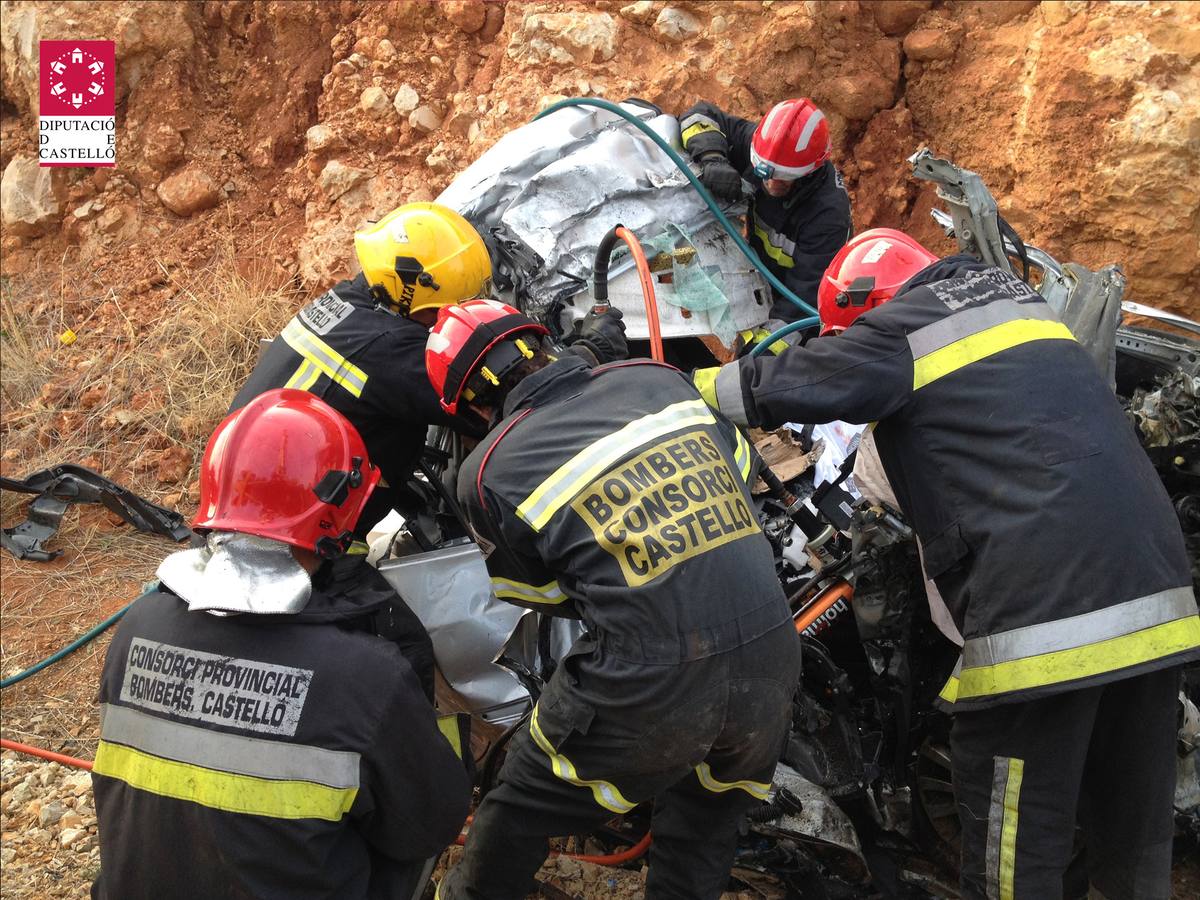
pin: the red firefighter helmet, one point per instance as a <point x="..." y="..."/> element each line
<point x="470" y="338"/>
<point x="791" y="141"/>
<point x="289" y="467"/>
<point x="867" y="272"/>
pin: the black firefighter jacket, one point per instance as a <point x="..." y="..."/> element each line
<point x="367" y="363"/>
<point x="269" y="756"/>
<point x="796" y="236"/>
<point x="1042" y="520"/>
<point x="615" y="495"/>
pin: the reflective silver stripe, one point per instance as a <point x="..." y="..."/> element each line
<point x="995" y="820"/>
<point x="698" y="119"/>
<point x="809" y="127"/>
<point x="774" y="238"/>
<point x="304" y="377"/>
<point x="518" y="590"/>
<point x="1079" y="631"/>
<point x="963" y="324"/>
<point x="324" y="357"/>
<point x="741" y="456"/>
<point x="562" y="486"/>
<point x="728" y="388"/>
<point x="233" y="753"/>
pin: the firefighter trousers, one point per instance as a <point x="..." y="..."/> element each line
<point x="700" y="739"/>
<point x="1026" y="773"/>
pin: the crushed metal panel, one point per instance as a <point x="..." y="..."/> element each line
<point x="546" y="194"/>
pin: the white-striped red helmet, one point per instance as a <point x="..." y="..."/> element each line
<point x="791" y="141"/>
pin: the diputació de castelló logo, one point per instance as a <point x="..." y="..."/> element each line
<point x="77" y="124"/>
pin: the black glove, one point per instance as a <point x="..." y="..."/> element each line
<point x="721" y="178"/>
<point x="603" y="335"/>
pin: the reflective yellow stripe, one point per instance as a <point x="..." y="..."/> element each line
<point x="507" y="589"/>
<point x="604" y="792"/>
<point x="980" y="345"/>
<point x="776" y="253"/>
<point x="448" y="726"/>
<point x="705" y="381"/>
<point x="949" y="691"/>
<point x="1008" y="832"/>
<point x="282" y="799"/>
<point x="709" y="783"/>
<point x="327" y="360"/>
<point x="741" y="456"/>
<point x="576" y="473"/>
<point x="693" y="130"/>
<point x="1080" y="662"/>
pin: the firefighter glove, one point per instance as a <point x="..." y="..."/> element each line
<point x="705" y="381"/>
<point x="752" y="337"/>
<point x="603" y="334"/>
<point x="721" y="178"/>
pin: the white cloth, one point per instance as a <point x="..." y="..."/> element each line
<point x="238" y="573"/>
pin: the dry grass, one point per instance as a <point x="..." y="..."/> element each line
<point x="147" y="373"/>
<point x="152" y="370"/>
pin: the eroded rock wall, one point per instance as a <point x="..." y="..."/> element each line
<point x="302" y="121"/>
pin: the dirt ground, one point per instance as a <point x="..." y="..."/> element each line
<point x="292" y="123"/>
<point x="49" y="846"/>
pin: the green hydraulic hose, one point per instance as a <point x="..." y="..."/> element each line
<point x="761" y="347"/>
<point x="77" y="643"/>
<point x="700" y="188"/>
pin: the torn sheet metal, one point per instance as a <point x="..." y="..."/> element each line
<point x="546" y="194"/>
<point x="60" y="486"/>
<point x="1092" y="310"/>
<point x="818" y="817"/>
<point x="451" y="593"/>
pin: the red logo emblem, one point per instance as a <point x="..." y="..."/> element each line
<point x="77" y="78"/>
<point x="78" y="103"/>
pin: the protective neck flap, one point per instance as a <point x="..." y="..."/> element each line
<point x="238" y="573"/>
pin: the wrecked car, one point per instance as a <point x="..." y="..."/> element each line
<point x="862" y="798"/>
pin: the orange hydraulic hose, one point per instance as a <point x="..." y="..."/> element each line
<point x="840" y="589"/>
<point x="615" y="859"/>
<point x="612" y="859"/>
<point x="651" y="301"/>
<point x="45" y="754"/>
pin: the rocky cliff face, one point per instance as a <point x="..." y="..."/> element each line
<point x="298" y="122"/>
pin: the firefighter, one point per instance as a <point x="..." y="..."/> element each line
<point x="799" y="211"/>
<point x="256" y="739"/>
<point x="614" y="495"/>
<point x="360" y="345"/>
<point x="1048" y="535"/>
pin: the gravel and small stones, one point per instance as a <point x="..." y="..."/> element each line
<point x="48" y="841"/>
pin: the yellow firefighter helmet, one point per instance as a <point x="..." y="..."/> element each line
<point x="423" y="255"/>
